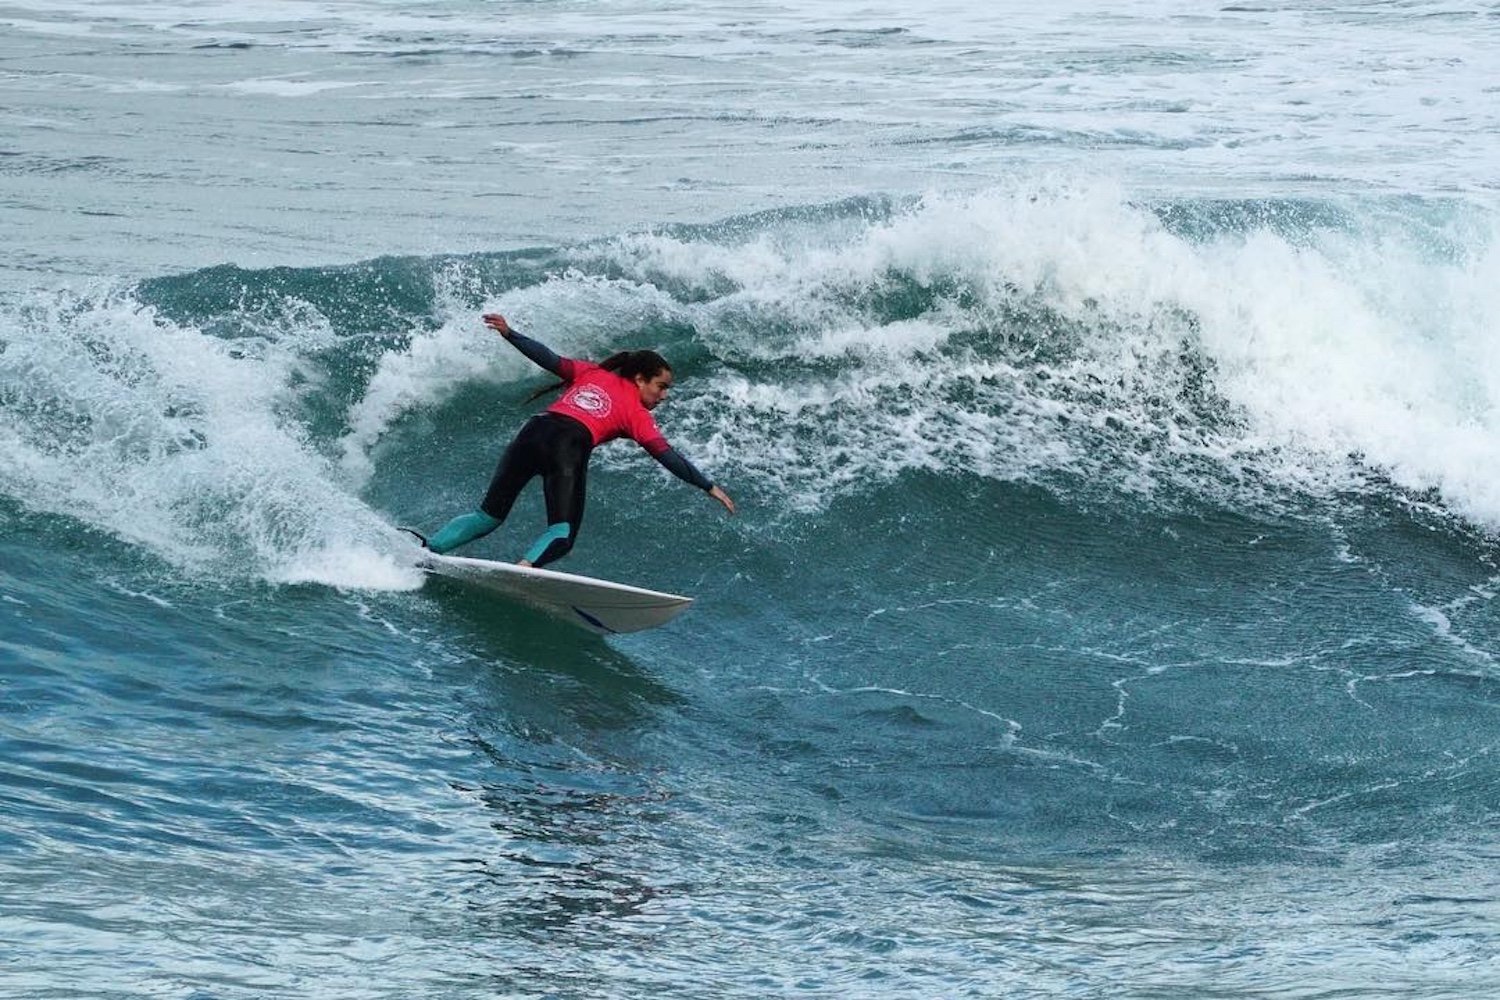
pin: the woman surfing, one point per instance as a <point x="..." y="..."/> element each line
<point x="599" y="402"/>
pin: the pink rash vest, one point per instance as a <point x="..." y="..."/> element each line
<point x="609" y="405"/>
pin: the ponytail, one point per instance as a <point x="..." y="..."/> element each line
<point x="544" y="390"/>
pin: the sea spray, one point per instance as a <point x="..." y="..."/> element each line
<point x="169" y="437"/>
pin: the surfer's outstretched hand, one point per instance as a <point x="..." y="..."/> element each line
<point x="718" y="494"/>
<point x="497" y="323"/>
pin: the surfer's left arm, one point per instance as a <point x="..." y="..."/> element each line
<point x="677" y="464"/>
<point x="534" y="351"/>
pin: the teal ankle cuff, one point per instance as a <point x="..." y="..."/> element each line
<point x="554" y="533"/>
<point x="461" y="530"/>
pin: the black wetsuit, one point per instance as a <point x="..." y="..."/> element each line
<point x="557" y="448"/>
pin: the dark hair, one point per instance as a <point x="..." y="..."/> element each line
<point x="626" y="364"/>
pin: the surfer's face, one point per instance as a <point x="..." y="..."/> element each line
<point x="654" y="389"/>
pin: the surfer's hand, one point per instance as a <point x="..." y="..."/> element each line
<point x="497" y="323"/>
<point x="723" y="498"/>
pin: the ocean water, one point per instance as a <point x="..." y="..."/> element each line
<point x="1111" y="393"/>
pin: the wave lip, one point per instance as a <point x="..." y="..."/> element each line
<point x="1038" y="333"/>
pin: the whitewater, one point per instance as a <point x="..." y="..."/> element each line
<point x="1110" y="395"/>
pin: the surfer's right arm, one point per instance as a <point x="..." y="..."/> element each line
<point x="537" y="353"/>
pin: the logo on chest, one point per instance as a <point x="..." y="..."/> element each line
<point x="590" y="399"/>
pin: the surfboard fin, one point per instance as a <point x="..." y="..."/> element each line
<point x="421" y="538"/>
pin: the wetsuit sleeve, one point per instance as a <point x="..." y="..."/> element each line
<point x="542" y="355"/>
<point x="680" y="467"/>
<point x="650" y="437"/>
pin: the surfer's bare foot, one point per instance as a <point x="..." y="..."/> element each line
<point x="524" y="562"/>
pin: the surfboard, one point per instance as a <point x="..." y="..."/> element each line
<point x="601" y="606"/>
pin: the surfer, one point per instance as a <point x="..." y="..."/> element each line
<point x="601" y="402"/>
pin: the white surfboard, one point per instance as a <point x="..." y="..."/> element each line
<point x="598" y="605"/>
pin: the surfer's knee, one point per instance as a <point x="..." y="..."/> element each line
<point x="461" y="530"/>
<point x="554" y="543"/>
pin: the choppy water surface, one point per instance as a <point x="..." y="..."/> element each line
<point x="1110" y="397"/>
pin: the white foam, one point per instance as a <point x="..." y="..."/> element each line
<point x="575" y="315"/>
<point x="1442" y="629"/>
<point x="1336" y="355"/>
<point x="169" y="438"/>
<point x="1333" y="355"/>
<point x="286" y="86"/>
<point x="351" y="568"/>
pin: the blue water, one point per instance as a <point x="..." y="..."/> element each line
<point x="1109" y="392"/>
